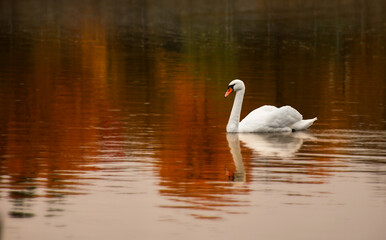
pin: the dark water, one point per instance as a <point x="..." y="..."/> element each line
<point x="113" y="120"/>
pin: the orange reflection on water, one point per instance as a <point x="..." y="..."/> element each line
<point x="57" y="114"/>
<point x="115" y="90"/>
<point x="191" y="164"/>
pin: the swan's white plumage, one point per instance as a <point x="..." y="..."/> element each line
<point x="266" y="118"/>
<point x="270" y="119"/>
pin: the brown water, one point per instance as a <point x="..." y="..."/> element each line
<point x="113" y="120"/>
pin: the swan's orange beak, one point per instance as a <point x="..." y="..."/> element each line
<point x="229" y="91"/>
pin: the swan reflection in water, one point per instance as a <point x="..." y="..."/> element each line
<point x="282" y="145"/>
<point x="234" y="145"/>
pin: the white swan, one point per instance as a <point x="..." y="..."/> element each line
<point x="263" y="119"/>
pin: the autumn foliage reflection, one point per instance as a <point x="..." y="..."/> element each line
<point x="56" y="107"/>
<point x="112" y="82"/>
<point x="191" y="165"/>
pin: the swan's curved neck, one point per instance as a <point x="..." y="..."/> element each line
<point x="234" y="119"/>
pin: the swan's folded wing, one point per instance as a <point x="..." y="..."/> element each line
<point x="259" y="115"/>
<point x="270" y="119"/>
<point x="285" y="116"/>
<point x="256" y="120"/>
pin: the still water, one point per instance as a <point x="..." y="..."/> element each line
<point x="112" y="121"/>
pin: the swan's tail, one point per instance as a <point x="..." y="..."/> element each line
<point x="303" y="124"/>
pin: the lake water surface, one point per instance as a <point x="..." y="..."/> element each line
<point x="113" y="119"/>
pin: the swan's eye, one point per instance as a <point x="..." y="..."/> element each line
<point x="231" y="86"/>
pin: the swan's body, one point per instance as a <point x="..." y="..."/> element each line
<point x="263" y="119"/>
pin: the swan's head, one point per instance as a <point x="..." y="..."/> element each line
<point x="234" y="86"/>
